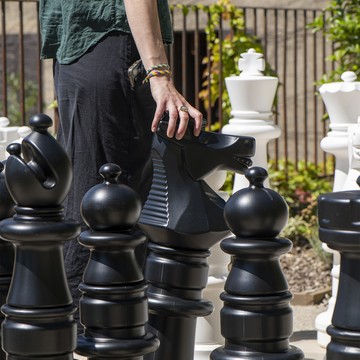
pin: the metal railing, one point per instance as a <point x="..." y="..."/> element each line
<point x="295" y="53"/>
<point x="20" y="46"/>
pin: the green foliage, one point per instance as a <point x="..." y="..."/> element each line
<point x="30" y="95"/>
<point x="300" y="188"/>
<point x="228" y="185"/>
<point x="342" y="27"/>
<point x="300" y="185"/>
<point x="226" y="50"/>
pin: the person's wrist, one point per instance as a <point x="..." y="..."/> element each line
<point x="160" y="79"/>
<point x="159" y="70"/>
<point x="160" y="66"/>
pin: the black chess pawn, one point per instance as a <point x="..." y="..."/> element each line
<point x="256" y="320"/>
<point x="113" y="307"/>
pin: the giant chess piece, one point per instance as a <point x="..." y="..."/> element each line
<point x="8" y="135"/>
<point x="252" y="96"/>
<point x="183" y="218"/>
<point x="6" y="248"/>
<point x="39" y="320"/>
<point x="339" y="214"/>
<point x="113" y="308"/>
<point x="341" y="100"/>
<point x="256" y="320"/>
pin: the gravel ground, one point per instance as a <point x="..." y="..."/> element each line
<point x="305" y="270"/>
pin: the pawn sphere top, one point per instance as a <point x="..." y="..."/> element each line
<point x="111" y="206"/>
<point x="256" y="176"/>
<point x="110" y="173"/>
<point x="256" y="211"/>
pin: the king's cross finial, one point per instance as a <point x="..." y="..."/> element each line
<point x="251" y="63"/>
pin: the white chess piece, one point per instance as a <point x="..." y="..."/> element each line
<point x="354" y="157"/>
<point x="251" y="96"/>
<point x="4" y="121"/>
<point x="342" y="101"/>
<point x="8" y="134"/>
<point x="208" y="333"/>
<point x="22" y="132"/>
<point x="251" y="64"/>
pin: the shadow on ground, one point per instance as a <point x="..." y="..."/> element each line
<point x="303" y="335"/>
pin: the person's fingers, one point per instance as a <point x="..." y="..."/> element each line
<point x="159" y="112"/>
<point x="183" y="123"/>
<point x="173" y="118"/>
<point x="196" y="115"/>
<point x="198" y="119"/>
<point x="179" y="110"/>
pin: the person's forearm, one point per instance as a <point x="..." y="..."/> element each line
<point x="145" y="28"/>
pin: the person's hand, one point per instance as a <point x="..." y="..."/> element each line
<point x="168" y="99"/>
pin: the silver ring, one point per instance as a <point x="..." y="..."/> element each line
<point x="183" y="108"/>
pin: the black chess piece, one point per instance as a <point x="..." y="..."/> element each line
<point x="113" y="307"/>
<point x="39" y="310"/>
<point x="339" y="228"/>
<point x="256" y="320"/>
<point x="183" y="218"/>
<point x="6" y="249"/>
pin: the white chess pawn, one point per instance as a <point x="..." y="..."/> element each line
<point x="22" y="132"/>
<point x="4" y="121"/>
<point x="8" y="134"/>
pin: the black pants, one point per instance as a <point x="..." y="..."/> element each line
<point x="102" y="120"/>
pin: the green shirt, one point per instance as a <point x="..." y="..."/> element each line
<point x="70" y="27"/>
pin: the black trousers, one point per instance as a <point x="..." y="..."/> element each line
<point x="102" y="120"/>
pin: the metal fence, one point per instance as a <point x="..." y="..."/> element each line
<point x="295" y="53"/>
<point x="21" y="68"/>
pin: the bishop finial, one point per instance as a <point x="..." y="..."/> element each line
<point x="40" y="122"/>
<point x="14" y="149"/>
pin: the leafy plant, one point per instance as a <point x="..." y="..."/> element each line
<point x="342" y="28"/>
<point x="30" y="96"/>
<point x="301" y="188"/>
<point x="227" y="50"/>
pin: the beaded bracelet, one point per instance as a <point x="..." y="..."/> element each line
<point x="157" y="70"/>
